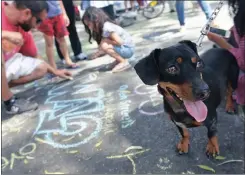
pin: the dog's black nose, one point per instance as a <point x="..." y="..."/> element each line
<point x="202" y="94"/>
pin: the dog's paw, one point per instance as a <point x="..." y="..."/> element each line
<point x="230" y="110"/>
<point x="212" y="149"/>
<point x="183" y="146"/>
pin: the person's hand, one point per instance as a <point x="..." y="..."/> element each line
<point x="66" y="19"/>
<point x="14" y="37"/>
<point x="213" y="37"/>
<point x="219" y="40"/>
<point x="63" y="74"/>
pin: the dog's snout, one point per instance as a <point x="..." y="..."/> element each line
<point x="200" y="89"/>
<point x="203" y="94"/>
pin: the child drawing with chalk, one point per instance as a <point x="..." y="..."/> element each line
<point x="111" y="38"/>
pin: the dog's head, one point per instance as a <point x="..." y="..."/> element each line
<point x="177" y="70"/>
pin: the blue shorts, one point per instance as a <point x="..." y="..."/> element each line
<point x="124" y="51"/>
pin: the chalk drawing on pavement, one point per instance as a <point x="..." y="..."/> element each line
<point x="73" y="116"/>
<point x="47" y="172"/>
<point x="153" y="103"/>
<point x="124" y="107"/>
<point x="108" y="119"/>
<point x="164" y="164"/>
<point x="24" y="154"/>
<point x="149" y="103"/>
<point x="142" y="89"/>
<point x="130" y="156"/>
<point x="14" y="125"/>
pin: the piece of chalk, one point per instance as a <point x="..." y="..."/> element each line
<point x="70" y="78"/>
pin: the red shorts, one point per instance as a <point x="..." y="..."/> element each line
<point x="54" y="26"/>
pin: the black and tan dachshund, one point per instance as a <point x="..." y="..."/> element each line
<point x="192" y="87"/>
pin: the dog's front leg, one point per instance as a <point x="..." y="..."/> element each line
<point x="212" y="148"/>
<point x="183" y="145"/>
<point x="229" y="107"/>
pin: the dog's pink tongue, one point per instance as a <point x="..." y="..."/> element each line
<point x="196" y="109"/>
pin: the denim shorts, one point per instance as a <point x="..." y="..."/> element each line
<point x="124" y="51"/>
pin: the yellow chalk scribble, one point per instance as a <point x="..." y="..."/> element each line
<point x="29" y="157"/>
<point x="5" y="162"/>
<point x="33" y="145"/>
<point x="125" y="155"/>
<point x="25" y="161"/>
<point x="40" y="140"/>
<point x="23" y="154"/>
<point x="46" y="172"/>
<point x="133" y="164"/>
<point x="73" y="151"/>
<point x="55" y="133"/>
<point x="68" y="139"/>
<point x="130" y="155"/>
<point x="108" y="132"/>
<point x="98" y="144"/>
<point x="133" y="148"/>
<point x="13" y="157"/>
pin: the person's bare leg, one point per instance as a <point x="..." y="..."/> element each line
<point x="126" y="5"/>
<point x="132" y="4"/>
<point x="64" y="50"/>
<point x="108" y="48"/>
<point x="49" y="42"/>
<point x="6" y="93"/>
<point x="38" y="73"/>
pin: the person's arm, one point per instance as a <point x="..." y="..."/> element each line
<point x="237" y="52"/>
<point x="115" y="39"/>
<point x="67" y="21"/>
<point x="219" y="40"/>
<point x="29" y="49"/>
<point x="13" y="38"/>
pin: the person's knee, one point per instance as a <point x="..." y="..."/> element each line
<point x="60" y="40"/>
<point x="49" y="41"/>
<point x="41" y="70"/>
<point x="104" y="45"/>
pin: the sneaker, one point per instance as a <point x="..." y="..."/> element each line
<point x="81" y="56"/>
<point x="172" y="11"/>
<point x="19" y="106"/>
<point x="182" y="29"/>
<point x="121" y="67"/>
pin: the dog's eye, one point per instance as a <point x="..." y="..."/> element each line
<point x="179" y="60"/>
<point x="194" y="60"/>
<point x="173" y="70"/>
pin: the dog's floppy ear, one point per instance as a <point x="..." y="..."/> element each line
<point x="190" y="44"/>
<point x="147" y="69"/>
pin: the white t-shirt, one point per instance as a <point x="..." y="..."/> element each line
<point x="101" y="4"/>
<point x="109" y="27"/>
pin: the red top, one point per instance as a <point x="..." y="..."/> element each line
<point x="28" y="48"/>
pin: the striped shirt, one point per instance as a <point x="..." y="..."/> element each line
<point x="239" y="54"/>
